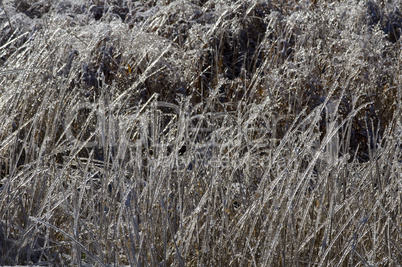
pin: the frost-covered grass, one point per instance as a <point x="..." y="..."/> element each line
<point x="201" y="133"/>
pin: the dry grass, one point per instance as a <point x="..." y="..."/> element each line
<point x="200" y="133"/>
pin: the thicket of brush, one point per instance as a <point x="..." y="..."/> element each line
<point x="201" y="133"/>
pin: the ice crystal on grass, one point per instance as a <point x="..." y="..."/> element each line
<point x="200" y="132"/>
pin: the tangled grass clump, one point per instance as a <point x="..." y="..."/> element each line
<point x="229" y="133"/>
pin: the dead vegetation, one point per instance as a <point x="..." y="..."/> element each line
<point x="199" y="133"/>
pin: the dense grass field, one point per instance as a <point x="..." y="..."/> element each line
<point x="201" y="133"/>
